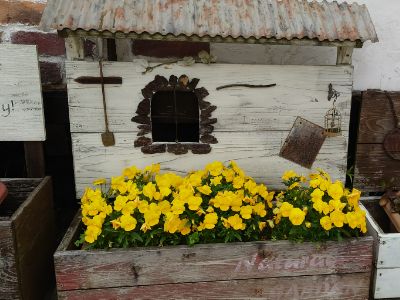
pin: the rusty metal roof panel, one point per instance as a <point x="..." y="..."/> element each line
<point x="256" y="19"/>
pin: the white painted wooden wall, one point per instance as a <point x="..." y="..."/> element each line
<point x="387" y="258"/>
<point x="21" y="105"/>
<point x="252" y="123"/>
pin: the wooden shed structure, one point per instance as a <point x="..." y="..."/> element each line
<point x="265" y="131"/>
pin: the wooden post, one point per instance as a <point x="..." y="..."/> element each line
<point x="344" y="55"/>
<point x="34" y="159"/>
<point x="74" y="48"/>
<point x="124" y="49"/>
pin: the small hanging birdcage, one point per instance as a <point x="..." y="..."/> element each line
<point x="333" y="122"/>
<point x="333" y="117"/>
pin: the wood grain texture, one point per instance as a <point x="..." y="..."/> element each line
<point x="34" y="230"/>
<point x="78" y="269"/>
<point x="256" y="152"/>
<point x="300" y="90"/>
<point x="9" y="288"/>
<point x="21" y="105"/>
<point x="375" y="171"/>
<point x="376" y="117"/>
<point x="349" y="286"/>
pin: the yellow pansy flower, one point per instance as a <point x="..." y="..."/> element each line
<point x="326" y="223"/>
<point x="246" y="211"/>
<point x="236" y="222"/>
<point x="100" y="181"/>
<point x="92" y="233"/>
<point x="285" y="209"/>
<point x="289" y="175"/>
<point x="335" y="190"/>
<point x="297" y="216"/>
<point x="194" y="202"/>
<point x="210" y="220"/>
<point x="205" y="189"/>
<point x="149" y="190"/>
<point x="130" y="172"/>
<point x="128" y="223"/>
<point x="238" y="182"/>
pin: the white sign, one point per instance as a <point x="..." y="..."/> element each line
<point x="21" y="105"/>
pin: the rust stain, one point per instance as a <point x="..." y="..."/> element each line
<point x="278" y="19"/>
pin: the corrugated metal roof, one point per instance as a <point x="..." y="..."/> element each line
<point x="215" y="19"/>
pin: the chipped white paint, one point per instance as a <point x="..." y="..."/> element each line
<point x="252" y="123"/>
<point x="21" y="105"/>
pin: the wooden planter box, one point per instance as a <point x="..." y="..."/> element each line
<point x="386" y="281"/>
<point x="269" y="270"/>
<point x="26" y="239"/>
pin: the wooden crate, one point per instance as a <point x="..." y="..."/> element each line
<point x="26" y="239"/>
<point x="386" y="277"/>
<point x="268" y="270"/>
<point x="375" y="171"/>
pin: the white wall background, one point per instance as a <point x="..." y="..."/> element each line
<point x="377" y="66"/>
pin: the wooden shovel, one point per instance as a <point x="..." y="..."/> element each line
<point x="392" y="139"/>
<point x="107" y="137"/>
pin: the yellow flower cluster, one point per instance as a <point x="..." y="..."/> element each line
<point x="94" y="211"/>
<point x="322" y="203"/>
<point x="144" y="200"/>
<point x="218" y="203"/>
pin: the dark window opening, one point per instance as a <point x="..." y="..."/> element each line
<point x="175" y="117"/>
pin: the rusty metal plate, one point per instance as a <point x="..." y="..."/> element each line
<point x="303" y="143"/>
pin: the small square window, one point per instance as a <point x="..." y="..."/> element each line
<point x="175" y="117"/>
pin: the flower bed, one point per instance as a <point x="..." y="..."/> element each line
<point x="219" y="204"/>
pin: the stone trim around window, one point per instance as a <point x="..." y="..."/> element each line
<point x="143" y="117"/>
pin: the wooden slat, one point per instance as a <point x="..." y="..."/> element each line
<point x="349" y="286"/>
<point x="387" y="283"/>
<point x="389" y="254"/>
<point x="74" y="48"/>
<point x="9" y="288"/>
<point x="300" y="91"/>
<point x="33" y="225"/>
<point x="21" y="105"/>
<point x="77" y="269"/>
<point x="376" y="117"/>
<point x="255" y="152"/>
<point x="375" y="171"/>
<point x="344" y="55"/>
<point x="34" y="159"/>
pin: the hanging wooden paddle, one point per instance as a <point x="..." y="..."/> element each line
<point x="107" y="137"/>
<point x="392" y="139"/>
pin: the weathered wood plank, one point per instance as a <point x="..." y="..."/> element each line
<point x="78" y="269"/>
<point x="344" y="55"/>
<point x="343" y="287"/>
<point x="21" y="105"/>
<point x="387" y="283"/>
<point x="300" y="91"/>
<point x="376" y="117"/>
<point x="256" y="152"/>
<point x="74" y="48"/>
<point x="375" y="171"/>
<point x="9" y="288"/>
<point x="34" y="228"/>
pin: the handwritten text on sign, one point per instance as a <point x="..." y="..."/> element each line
<point x="21" y="105"/>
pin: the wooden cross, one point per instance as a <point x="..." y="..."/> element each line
<point x="107" y="137"/>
